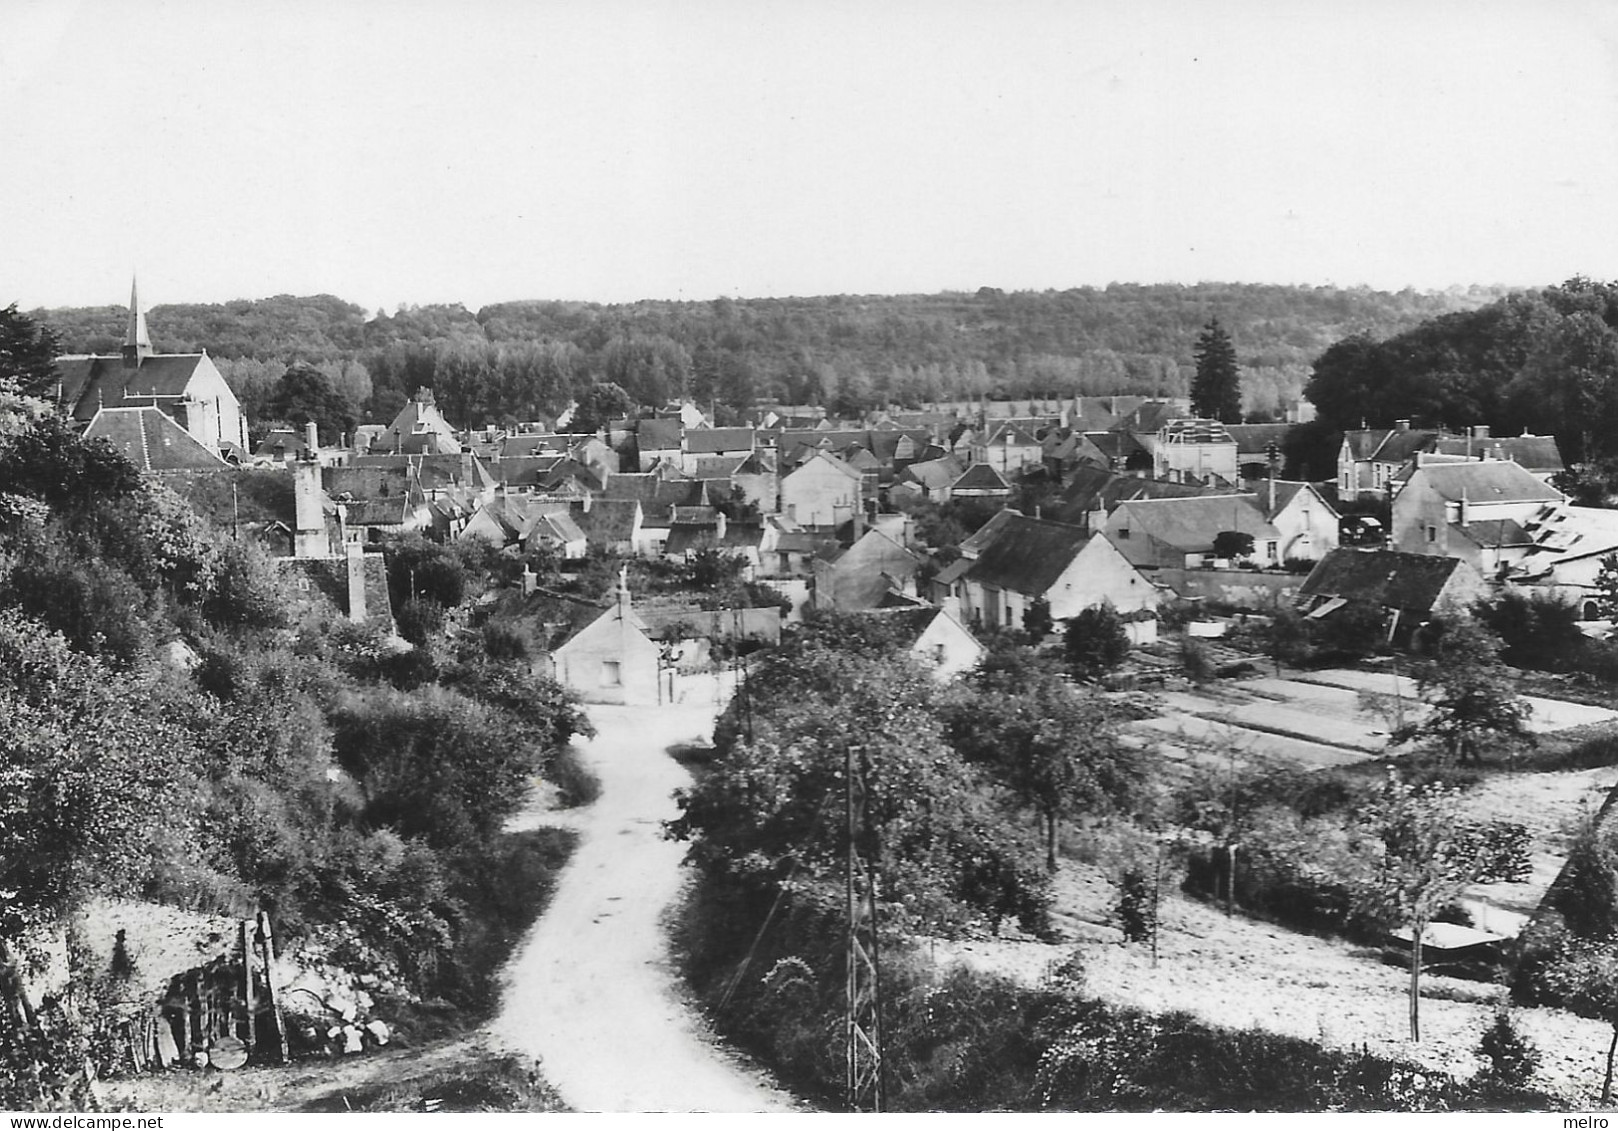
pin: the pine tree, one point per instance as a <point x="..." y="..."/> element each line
<point x="1216" y="390"/>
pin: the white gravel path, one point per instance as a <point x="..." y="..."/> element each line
<point x="591" y="992"/>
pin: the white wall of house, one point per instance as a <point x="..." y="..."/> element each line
<point x="947" y="647"/>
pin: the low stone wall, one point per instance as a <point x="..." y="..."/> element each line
<point x="1241" y="588"/>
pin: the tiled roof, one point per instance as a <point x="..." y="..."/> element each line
<point x="1536" y="453"/>
<point x="1411" y="582"/>
<point x="152" y="441"/>
<point x="936" y="474"/>
<point x="1254" y="439"/>
<point x="706" y="441"/>
<point x="1185" y="526"/>
<point x="1027" y="555"/>
<point x="1490" y="481"/>
<point x="980" y="477"/>
<point x="1194" y="430"/>
<point x="608" y="520"/>
<point x="658" y="435"/>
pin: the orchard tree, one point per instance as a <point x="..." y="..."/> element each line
<point x="1471" y="696"/>
<point x="1425" y="853"/>
<point x="1054" y="747"/>
<point x="1095" y="642"/>
<point x="1216" y="390"/>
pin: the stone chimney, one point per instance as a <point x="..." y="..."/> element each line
<point x="311" y="438"/>
<point x="1401" y="425"/>
<point x="1480" y="431"/>
<point x="530" y="580"/>
<point x="309" y="529"/>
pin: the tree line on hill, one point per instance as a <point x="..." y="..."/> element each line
<point x="519" y="360"/>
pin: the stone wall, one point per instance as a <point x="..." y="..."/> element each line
<point x="1241" y="588"/>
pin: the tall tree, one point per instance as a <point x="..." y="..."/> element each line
<point x="27" y="352"/>
<point x="305" y="394"/>
<point x="1216" y="390"/>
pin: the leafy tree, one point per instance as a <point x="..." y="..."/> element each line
<point x="763" y="815"/>
<point x="1036" y="621"/>
<point x="1290" y="637"/>
<point x="49" y="462"/>
<point x="598" y="404"/>
<point x="1471" y="696"/>
<point x="28" y="352"/>
<point x="305" y="394"/>
<point x="1216" y="390"/>
<point x="1233" y="544"/>
<point x="1536" y="629"/>
<point x="1056" y="748"/>
<point x="1095" y="642"/>
<point x="1426" y="856"/>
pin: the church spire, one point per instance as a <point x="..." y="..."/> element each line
<point x="137" y="342"/>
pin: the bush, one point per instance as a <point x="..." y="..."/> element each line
<point x="1095" y="641"/>
<point x="1512" y="1057"/>
<point x="1137" y="917"/>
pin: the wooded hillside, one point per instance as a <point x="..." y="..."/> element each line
<point x="518" y="360"/>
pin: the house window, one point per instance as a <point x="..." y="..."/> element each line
<point x="1432" y="534"/>
<point x="1270" y="549"/>
<point x="1123" y="532"/>
<point x="611" y="673"/>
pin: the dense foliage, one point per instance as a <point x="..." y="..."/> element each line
<point x="518" y="360"/>
<point x="185" y="726"/>
<point x="1544" y="362"/>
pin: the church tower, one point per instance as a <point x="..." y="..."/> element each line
<point x="137" y="342"/>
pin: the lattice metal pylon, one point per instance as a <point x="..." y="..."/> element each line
<point x="864" y="1082"/>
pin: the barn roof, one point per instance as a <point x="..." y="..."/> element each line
<point x="1026" y="555"/>
<point x="1396" y="580"/>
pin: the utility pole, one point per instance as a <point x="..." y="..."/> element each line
<point x="864" y="1084"/>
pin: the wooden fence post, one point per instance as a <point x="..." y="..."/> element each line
<point x="272" y="992"/>
<point x="250" y="1032"/>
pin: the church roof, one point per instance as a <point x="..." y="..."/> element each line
<point x="152" y="441"/>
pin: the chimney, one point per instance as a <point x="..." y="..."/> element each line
<point x="530" y="580"/>
<point x="311" y="437"/>
<point x="1480" y="431"/>
<point x="1401" y="425"/>
<point x="721" y="527"/>
<point x="1465" y="511"/>
<point x="1037" y="509"/>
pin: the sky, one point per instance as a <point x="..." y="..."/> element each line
<point x="479" y="151"/>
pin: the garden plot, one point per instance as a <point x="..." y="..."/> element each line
<point x="1196" y="733"/>
<point x="1549" y="714"/>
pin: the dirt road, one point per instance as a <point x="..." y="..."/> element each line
<point x="591" y="992"/>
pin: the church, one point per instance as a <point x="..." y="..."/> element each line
<point x="186" y="387"/>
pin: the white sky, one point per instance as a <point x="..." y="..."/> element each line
<point x="485" y="150"/>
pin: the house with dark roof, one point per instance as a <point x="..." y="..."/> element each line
<point x="860" y="576"/>
<point x="1015" y="560"/>
<point x="980" y="481"/>
<point x="187" y="388"/>
<point x="658" y="440"/>
<point x="153" y="441"/>
<point x="1369" y="458"/>
<point x="702" y="443"/>
<point x="1472" y="511"/>
<point x="1409" y="588"/>
<point x="1253" y="446"/>
<point x="419" y="429"/>
<point x="613" y="525"/>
